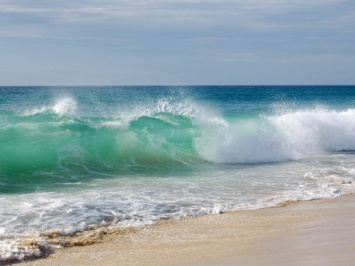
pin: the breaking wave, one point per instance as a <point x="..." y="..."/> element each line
<point x="57" y="143"/>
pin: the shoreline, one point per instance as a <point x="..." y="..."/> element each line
<point x="316" y="232"/>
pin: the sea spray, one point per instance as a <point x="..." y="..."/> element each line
<point x="65" y="106"/>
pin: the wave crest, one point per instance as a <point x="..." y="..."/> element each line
<point x="277" y="138"/>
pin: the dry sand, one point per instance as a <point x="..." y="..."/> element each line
<point x="319" y="232"/>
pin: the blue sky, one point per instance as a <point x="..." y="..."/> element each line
<point x="186" y="42"/>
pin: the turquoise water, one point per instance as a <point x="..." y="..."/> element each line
<point x="71" y="157"/>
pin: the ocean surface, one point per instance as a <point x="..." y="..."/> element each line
<point x="77" y="158"/>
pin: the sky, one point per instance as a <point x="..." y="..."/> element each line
<point x="171" y="42"/>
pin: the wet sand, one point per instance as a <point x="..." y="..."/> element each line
<point x="319" y="232"/>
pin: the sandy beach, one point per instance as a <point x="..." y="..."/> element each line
<point x="318" y="232"/>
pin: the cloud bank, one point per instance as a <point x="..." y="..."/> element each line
<point x="171" y="41"/>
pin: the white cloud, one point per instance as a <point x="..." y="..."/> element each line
<point x="171" y="11"/>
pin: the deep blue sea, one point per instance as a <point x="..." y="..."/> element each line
<point x="74" y="158"/>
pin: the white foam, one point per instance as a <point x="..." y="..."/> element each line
<point x="65" y="106"/>
<point x="277" y="138"/>
<point x="317" y="130"/>
<point x="15" y="250"/>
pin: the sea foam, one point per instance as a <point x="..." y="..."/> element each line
<point x="275" y="138"/>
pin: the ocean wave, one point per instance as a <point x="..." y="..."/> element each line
<point x="162" y="134"/>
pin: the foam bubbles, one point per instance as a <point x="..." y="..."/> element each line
<point x="16" y="250"/>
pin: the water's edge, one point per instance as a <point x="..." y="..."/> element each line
<point x="49" y="242"/>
